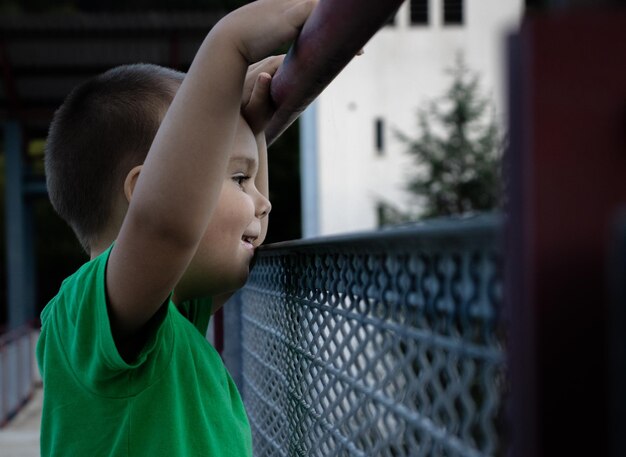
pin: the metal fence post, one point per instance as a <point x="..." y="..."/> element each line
<point x="617" y="337"/>
<point x="19" y="240"/>
<point x="232" y="339"/>
<point x="568" y="91"/>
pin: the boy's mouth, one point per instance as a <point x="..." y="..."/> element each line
<point x="248" y="241"/>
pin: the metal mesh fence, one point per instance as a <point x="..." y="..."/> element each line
<point x="388" y="344"/>
<point x="18" y="371"/>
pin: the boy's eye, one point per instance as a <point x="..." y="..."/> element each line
<point x="240" y="179"/>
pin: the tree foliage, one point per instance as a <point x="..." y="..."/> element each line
<point x="457" y="153"/>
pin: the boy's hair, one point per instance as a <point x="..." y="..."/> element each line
<point x="104" y="127"/>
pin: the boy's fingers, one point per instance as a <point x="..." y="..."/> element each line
<point x="259" y="109"/>
<point x="271" y="64"/>
<point x="254" y="66"/>
<point x="268" y="61"/>
<point x="267" y="65"/>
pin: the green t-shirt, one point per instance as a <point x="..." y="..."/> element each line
<point x="175" y="399"/>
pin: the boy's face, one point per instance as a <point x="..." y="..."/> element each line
<point x="221" y="263"/>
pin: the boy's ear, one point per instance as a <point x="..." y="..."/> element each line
<point x="130" y="181"/>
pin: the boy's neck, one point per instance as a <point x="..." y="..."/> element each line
<point x="95" y="252"/>
<point x="100" y="246"/>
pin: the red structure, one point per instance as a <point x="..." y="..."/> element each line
<point x="568" y="183"/>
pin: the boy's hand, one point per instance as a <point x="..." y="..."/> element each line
<point x="256" y="103"/>
<point x="264" y="25"/>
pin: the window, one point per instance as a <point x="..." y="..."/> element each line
<point x="379" y="131"/>
<point x="452" y="12"/>
<point x="419" y="12"/>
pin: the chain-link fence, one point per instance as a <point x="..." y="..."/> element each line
<point x="18" y="370"/>
<point x="381" y="344"/>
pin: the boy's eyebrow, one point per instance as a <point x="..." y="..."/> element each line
<point x="249" y="160"/>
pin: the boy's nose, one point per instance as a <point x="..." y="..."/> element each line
<point x="263" y="206"/>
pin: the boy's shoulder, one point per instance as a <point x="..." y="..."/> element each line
<point x="81" y="301"/>
<point x="87" y="283"/>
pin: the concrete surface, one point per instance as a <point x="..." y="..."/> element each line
<point x="20" y="438"/>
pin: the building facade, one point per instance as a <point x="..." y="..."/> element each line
<point x="351" y="158"/>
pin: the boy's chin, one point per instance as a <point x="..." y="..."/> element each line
<point x="222" y="284"/>
<point x="227" y="284"/>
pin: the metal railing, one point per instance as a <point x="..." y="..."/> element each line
<point x="381" y="344"/>
<point x="18" y="371"/>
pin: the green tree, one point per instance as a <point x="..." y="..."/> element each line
<point x="457" y="153"/>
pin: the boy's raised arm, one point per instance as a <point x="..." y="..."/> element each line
<point x="182" y="176"/>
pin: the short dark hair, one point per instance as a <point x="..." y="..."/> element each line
<point x="104" y="127"/>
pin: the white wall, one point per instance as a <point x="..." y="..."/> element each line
<point x="402" y="67"/>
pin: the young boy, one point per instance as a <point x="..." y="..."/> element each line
<point x="126" y="368"/>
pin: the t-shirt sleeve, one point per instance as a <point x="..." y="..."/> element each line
<point x="83" y="326"/>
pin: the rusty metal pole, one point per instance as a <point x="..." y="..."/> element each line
<point x="331" y="37"/>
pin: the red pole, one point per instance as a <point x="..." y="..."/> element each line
<point x="331" y="37"/>
<point x="567" y="191"/>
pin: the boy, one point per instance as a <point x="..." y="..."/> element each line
<point x="126" y="368"/>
